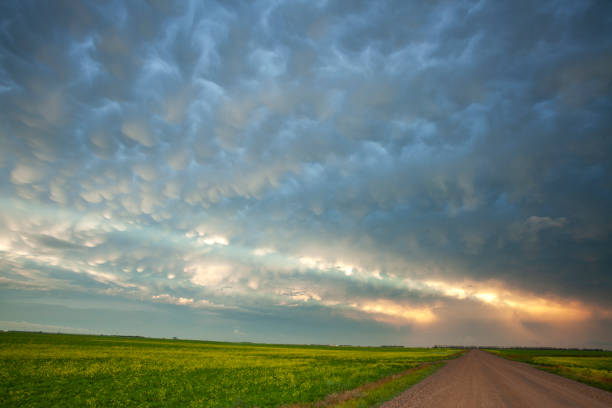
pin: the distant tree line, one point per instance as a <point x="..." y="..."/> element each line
<point x="518" y="348"/>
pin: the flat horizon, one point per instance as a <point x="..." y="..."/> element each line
<point x="457" y="346"/>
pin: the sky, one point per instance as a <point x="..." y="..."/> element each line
<point x="330" y="172"/>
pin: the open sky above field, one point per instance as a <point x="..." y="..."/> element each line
<point x="344" y="172"/>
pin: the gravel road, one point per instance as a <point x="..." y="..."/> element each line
<point x="480" y="379"/>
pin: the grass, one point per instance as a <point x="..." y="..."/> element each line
<point x="99" y="371"/>
<point x="587" y="366"/>
<point x="373" y="394"/>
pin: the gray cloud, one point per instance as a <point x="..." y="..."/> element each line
<point x="298" y="155"/>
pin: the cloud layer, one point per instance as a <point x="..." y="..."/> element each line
<point x="426" y="172"/>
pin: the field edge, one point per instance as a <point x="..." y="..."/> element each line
<point x="375" y="393"/>
<point x="586" y="377"/>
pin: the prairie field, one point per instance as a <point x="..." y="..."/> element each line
<point x="588" y="366"/>
<point x="60" y="370"/>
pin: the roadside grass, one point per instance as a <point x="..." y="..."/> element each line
<point x="375" y="393"/>
<point x="42" y="370"/>
<point x="374" y="396"/>
<point x="587" y="366"/>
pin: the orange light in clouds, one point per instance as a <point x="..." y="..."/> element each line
<point x="486" y="297"/>
<point x="534" y="307"/>
<point x="389" y="311"/>
<point x="549" y="310"/>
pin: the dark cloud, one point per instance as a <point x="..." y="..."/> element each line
<point x="312" y="157"/>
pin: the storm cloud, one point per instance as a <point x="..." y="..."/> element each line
<point x="404" y="172"/>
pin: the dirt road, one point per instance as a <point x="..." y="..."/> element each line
<point x="480" y="379"/>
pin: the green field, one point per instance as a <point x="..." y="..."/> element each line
<point x="102" y="371"/>
<point x="587" y="366"/>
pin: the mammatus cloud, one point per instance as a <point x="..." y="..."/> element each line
<point x="433" y="173"/>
